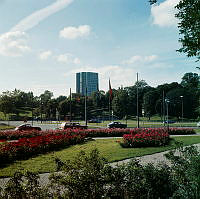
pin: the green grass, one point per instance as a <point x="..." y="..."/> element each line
<point x="144" y="123"/>
<point x="109" y="148"/>
<point x="5" y="127"/>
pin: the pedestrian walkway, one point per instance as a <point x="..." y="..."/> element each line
<point x="154" y="159"/>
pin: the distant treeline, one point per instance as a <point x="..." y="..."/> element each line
<point x="178" y="99"/>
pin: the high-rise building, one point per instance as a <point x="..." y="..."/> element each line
<point x="87" y="80"/>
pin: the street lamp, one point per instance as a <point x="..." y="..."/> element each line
<point x="167" y="103"/>
<point x="182" y="107"/>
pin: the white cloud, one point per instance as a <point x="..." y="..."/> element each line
<point x="140" y="59"/>
<point x="45" y="55"/>
<point x="73" y="32"/>
<point x="13" y="44"/>
<point x="68" y="59"/>
<point x="118" y="75"/>
<point x="38" y="16"/>
<point x="164" y="13"/>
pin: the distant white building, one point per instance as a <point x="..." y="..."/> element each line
<point x="87" y="80"/>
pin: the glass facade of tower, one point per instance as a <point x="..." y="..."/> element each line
<point x="87" y="80"/>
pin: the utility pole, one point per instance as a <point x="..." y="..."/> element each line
<point x="32" y="108"/>
<point x="163" y="107"/>
<point x="167" y="106"/>
<point x="138" y="122"/>
<point x="70" y="105"/>
<point x="182" y="107"/>
<point x="86" y="106"/>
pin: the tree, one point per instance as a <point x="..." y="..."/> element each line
<point x="190" y="80"/>
<point x="6" y="104"/>
<point x="189" y="26"/>
<point x="120" y="102"/>
<point x="149" y="101"/>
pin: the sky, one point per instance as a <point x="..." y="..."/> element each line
<point x="44" y="43"/>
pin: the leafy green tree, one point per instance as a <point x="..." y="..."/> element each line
<point x="149" y="101"/>
<point x="189" y="26"/>
<point x="120" y="102"/>
<point x="7" y="105"/>
<point x="190" y="80"/>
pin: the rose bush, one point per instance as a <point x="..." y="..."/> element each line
<point x="15" y="135"/>
<point x="146" y="138"/>
<point x="27" y="147"/>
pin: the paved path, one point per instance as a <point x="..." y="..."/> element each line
<point x="154" y="158"/>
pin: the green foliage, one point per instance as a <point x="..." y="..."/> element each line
<point x="82" y="178"/>
<point x="190" y="80"/>
<point x="186" y="172"/>
<point x="24" y="186"/>
<point x="189" y="26"/>
<point x="89" y="176"/>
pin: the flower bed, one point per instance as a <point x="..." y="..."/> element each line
<point x="15" y="135"/>
<point x="146" y="138"/>
<point x="181" y="131"/>
<point x="27" y="147"/>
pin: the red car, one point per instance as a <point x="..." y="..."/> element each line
<point x="27" y="127"/>
<point x="72" y="125"/>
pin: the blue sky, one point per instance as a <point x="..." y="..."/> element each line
<point x="44" y="43"/>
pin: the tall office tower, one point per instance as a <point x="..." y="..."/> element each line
<point x="87" y="80"/>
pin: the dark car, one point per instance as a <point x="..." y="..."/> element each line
<point x="116" y="125"/>
<point x="94" y="121"/>
<point x="27" y="127"/>
<point x="72" y="125"/>
<point x="169" y="122"/>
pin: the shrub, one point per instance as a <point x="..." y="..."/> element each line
<point x="89" y="176"/>
<point x="27" y="147"/>
<point x="181" y="131"/>
<point x="146" y="137"/>
<point x="15" y="135"/>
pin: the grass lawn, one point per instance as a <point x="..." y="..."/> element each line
<point x="145" y="123"/>
<point x="4" y="127"/>
<point x="109" y="148"/>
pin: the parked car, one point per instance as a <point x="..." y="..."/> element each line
<point x="198" y="124"/>
<point x="27" y="127"/>
<point x="72" y="125"/>
<point x="116" y="125"/>
<point x="169" y="122"/>
<point x="94" y="121"/>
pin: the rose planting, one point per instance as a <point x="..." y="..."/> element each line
<point x="181" y="131"/>
<point x="27" y="147"/>
<point x="15" y="135"/>
<point x="146" y="138"/>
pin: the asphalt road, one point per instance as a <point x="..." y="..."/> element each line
<point x="53" y="125"/>
<point x="44" y="126"/>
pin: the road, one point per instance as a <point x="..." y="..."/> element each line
<point x="44" y="126"/>
<point x="54" y="125"/>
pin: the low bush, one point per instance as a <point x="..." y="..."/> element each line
<point x="115" y="132"/>
<point x="181" y="131"/>
<point x="146" y="138"/>
<point x="27" y="147"/>
<point x="89" y="176"/>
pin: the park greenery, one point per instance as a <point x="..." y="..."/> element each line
<point x="172" y="97"/>
<point x="89" y="176"/>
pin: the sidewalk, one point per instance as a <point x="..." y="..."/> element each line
<point x="155" y="158"/>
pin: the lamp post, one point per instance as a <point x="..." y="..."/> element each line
<point x="182" y="107"/>
<point x="86" y="106"/>
<point x="167" y="109"/>
<point x="138" y="120"/>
